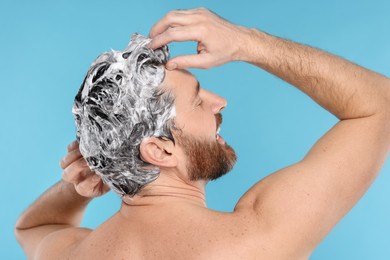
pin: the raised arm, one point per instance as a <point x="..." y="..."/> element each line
<point x="51" y="223"/>
<point x="300" y="204"/>
<point x="296" y="207"/>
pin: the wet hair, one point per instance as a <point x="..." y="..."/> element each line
<point x="119" y="104"/>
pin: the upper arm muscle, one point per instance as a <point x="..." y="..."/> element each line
<point x="50" y="241"/>
<point x="298" y="205"/>
<point x="57" y="245"/>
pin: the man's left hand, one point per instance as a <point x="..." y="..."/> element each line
<point x="76" y="171"/>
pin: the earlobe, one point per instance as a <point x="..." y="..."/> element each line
<point x="158" y="152"/>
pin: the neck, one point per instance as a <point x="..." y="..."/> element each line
<point x="167" y="189"/>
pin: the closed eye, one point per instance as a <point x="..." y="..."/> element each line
<point x="198" y="104"/>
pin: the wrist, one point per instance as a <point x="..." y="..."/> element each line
<point x="252" y="46"/>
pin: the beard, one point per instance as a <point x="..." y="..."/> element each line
<point x="207" y="160"/>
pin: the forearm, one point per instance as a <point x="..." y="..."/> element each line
<point x="343" y="88"/>
<point x="61" y="204"/>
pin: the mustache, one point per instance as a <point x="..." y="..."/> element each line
<point x="218" y="118"/>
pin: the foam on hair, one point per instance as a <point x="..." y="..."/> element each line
<point x="118" y="105"/>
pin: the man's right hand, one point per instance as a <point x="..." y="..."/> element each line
<point x="219" y="41"/>
<point x="76" y="171"/>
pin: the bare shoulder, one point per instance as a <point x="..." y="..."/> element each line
<point x="235" y="235"/>
<point x="60" y="244"/>
<point x="299" y="205"/>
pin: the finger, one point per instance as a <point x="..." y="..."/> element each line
<point x="89" y="187"/>
<point x="70" y="157"/>
<point x="171" y="19"/>
<point x="100" y="188"/>
<point x="76" y="171"/>
<point x="72" y="146"/>
<point x="103" y="187"/>
<point x="177" y="34"/>
<point x="200" y="61"/>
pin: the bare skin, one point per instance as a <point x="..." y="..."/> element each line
<point x="283" y="216"/>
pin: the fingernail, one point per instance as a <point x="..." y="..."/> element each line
<point x="171" y="66"/>
<point x="95" y="178"/>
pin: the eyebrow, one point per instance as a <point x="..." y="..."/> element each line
<point x="196" y="92"/>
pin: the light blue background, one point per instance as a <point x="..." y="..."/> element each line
<point x="47" y="46"/>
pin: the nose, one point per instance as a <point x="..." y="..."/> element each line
<point x="218" y="103"/>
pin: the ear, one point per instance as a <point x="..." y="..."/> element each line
<point x="158" y="152"/>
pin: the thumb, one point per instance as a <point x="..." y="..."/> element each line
<point x="199" y="61"/>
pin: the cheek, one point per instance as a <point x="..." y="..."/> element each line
<point x="197" y="121"/>
<point x="202" y="125"/>
<point x="198" y="124"/>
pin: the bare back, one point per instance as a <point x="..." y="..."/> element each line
<point x="178" y="231"/>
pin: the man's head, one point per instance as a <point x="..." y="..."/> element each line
<point x="134" y="119"/>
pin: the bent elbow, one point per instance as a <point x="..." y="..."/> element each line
<point x="386" y="95"/>
<point x="19" y="234"/>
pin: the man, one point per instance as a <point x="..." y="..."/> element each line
<point x="283" y="216"/>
